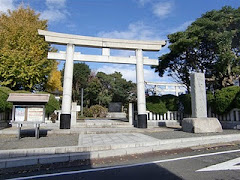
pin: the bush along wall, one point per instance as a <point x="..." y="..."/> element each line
<point x="226" y="99"/>
<point x="4" y="105"/>
<point x="156" y="105"/>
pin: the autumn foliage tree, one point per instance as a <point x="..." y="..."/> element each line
<point x="54" y="82"/>
<point x="23" y="53"/>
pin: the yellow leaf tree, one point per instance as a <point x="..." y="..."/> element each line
<point x="23" y="53"/>
<point x="54" y="80"/>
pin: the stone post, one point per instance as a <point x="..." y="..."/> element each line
<point x="199" y="123"/>
<point x="130" y="113"/>
<point x="65" y="118"/>
<point x="141" y="100"/>
<point x="74" y="114"/>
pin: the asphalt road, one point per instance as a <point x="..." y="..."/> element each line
<point x="219" y="163"/>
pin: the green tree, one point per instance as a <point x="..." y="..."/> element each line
<point x="114" y="88"/>
<point x="81" y="73"/>
<point x="23" y="53"/>
<point x="92" y="91"/>
<point x="211" y="44"/>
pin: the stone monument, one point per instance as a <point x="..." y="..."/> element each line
<point x="199" y="123"/>
<point x="115" y="111"/>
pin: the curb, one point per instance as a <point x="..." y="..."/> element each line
<point x="27" y="157"/>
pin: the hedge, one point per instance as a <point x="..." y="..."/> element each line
<point x="158" y="108"/>
<point x="185" y="103"/>
<point x="4" y="105"/>
<point x="226" y="99"/>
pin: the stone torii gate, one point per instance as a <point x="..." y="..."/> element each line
<point x="106" y="44"/>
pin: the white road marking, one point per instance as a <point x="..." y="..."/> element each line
<point x="228" y="165"/>
<point x="125" y="166"/>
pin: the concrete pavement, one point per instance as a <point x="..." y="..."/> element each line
<point x="106" y="144"/>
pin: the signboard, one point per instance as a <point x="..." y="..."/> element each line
<point x="35" y="114"/>
<point x="29" y="113"/>
<point x="20" y="113"/>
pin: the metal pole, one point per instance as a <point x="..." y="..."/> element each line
<point x="82" y="102"/>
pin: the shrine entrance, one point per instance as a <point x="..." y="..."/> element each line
<point x="106" y="44"/>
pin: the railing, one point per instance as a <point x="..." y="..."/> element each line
<point x="229" y="120"/>
<point x="233" y="115"/>
<point x="171" y="118"/>
<point x="170" y="115"/>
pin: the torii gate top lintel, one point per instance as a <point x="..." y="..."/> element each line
<point x="87" y="41"/>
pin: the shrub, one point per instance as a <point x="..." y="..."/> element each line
<point x="158" y="108"/>
<point x="153" y="99"/>
<point x="185" y="102"/>
<point x="171" y="102"/>
<point x="87" y="112"/>
<point x="225" y="99"/>
<point x="237" y="101"/>
<point x="52" y="105"/>
<point x="98" y="111"/>
<point x="4" y="93"/>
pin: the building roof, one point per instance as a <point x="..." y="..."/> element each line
<point x="27" y="97"/>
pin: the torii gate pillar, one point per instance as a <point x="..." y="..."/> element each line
<point x="141" y="100"/>
<point x="65" y="117"/>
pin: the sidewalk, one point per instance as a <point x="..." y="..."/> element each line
<point x="98" y="143"/>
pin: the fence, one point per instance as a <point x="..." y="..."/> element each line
<point x="230" y="120"/>
<point x="5" y="116"/>
<point x="172" y="118"/>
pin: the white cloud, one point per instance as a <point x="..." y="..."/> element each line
<point x="129" y="72"/>
<point x="6" y="4"/>
<point x="137" y="31"/>
<point x="162" y="9"/>
<point x="143" y="2"/>
<point x="56" y="10"/>
<point x="56" y="3"/>
<point x="182" y="27"/>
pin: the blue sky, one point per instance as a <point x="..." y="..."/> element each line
<point x="127" y="19"/>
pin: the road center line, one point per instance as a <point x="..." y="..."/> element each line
<point x="126" y="166"/>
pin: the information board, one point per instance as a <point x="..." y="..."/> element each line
<point x="35" y="114"/>
<point x="20" y="113"/>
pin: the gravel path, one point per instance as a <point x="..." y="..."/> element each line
<point x="11" y="142"/>
<point x="181" y="134"/>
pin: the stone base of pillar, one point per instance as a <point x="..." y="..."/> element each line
<point x="201" y="125"/>
<point x="65" y="121"/>
<point x="142" y="121"/>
